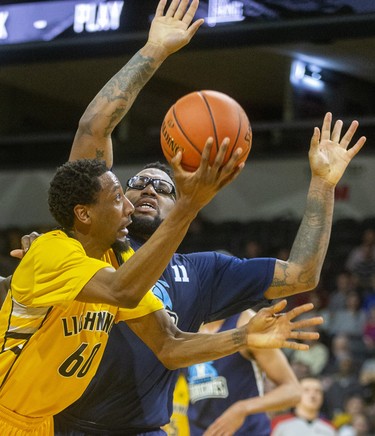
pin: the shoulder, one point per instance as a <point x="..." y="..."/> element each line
<point x="55" y="240"/>
<point x="281" y="419"/>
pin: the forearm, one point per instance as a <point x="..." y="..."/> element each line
<point x="302" y="270"/>
<point x="311" y="244"/>
<point x="191" y="348"/>
<point x="111" y="104"/>
<point x="280" y="398"/>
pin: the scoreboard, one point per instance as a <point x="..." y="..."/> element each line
<point x="43" y="29"/>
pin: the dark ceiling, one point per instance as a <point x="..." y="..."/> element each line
<point x="42" y="101"/>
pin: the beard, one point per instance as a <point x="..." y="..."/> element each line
<point x="144" y="227"/>
<point x="121" y="246"/>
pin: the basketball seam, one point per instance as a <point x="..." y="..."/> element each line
<point x="201" y="93"/>
<point x="238" y="132"/>
<point x="182" y="131"/>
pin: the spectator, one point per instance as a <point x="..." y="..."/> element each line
<point x="360" y="425"/>
<point x="369" y="329"/>
<point x="361" y="260"/>
<point x="354" y="404"/>
<point x="344" y="283"/>
<point x="306" y="420"/>
<point x="341" y="385"/>
<point x="350" y="320"/>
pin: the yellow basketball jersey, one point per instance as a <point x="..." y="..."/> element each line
<point x="51" y="344"/>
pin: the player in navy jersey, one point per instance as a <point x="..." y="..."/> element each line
<point x="227" y="396"/>
<point x="132" y="391"/>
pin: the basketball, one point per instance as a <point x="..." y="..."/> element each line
<point x="201" y="114"/>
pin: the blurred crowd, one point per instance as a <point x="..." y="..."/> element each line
<point x="344" y="357"/>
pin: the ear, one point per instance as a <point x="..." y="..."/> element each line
<point x="82" y="213"/>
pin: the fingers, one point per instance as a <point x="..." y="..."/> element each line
<point x="357" y="146"/>
<point x="326" y="127"/>
<point x="194" y="27"/>
<point x="278" y="307"/>
<point x="349" y="134"/>
<point x="206" y="154"/>
<point x="177" y="10"/>
<point x="190" y="13"/>
<point x="308" y="322"/>
<point x="304" y="336"/>
<point x="18" y="253"/>
<point x="299" y="310"/>
<point x="160" y="8"/>
<point x="176" y="162"/>
<point x="220" y="156"/>
<point x="172" y="8"/>
<point x="295" y="346"/>
<point x="27" y="240"/>
<point x="336" y="132"/>
<point x="314" y="143"/>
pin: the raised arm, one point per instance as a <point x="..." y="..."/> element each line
<point x="329" y="156"/>
<point x="169" y="32"/>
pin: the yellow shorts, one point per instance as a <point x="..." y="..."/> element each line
<point x="13" y="424"/>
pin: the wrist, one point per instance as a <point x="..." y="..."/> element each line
<point x="156" y="51"/>
<point x="185" y="209"/>
<point x="320" y="183"/>
<point x="239" y="337"/>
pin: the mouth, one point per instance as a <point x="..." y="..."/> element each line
<point x="145" y="205"/>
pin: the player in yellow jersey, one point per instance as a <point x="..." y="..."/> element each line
<point x="64" y="299"/>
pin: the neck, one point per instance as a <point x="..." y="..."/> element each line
<point x="309" y="415"/>
<point x="92" y="248"/>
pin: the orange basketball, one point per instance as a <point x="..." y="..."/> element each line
<point x="199" y="115"/>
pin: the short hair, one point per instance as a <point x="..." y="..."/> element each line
<point x="74" y="183"/>
<point x="162" y="167"/>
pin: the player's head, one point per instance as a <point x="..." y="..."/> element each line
<point x="86" y="197"/>
<point x="153" y="194"/>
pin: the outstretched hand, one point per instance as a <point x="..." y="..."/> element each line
<point x="329" y="155"/>
<point x="200" y="186"/>
<point x="271" y="329"/>
<point x="174" y="29"/>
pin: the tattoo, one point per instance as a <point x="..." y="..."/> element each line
<point x="310" y="246"/>
<point x="125" y="86"/>
<point x="239" y="337"/>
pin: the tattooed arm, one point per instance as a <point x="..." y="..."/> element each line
<point x="169" y="32"/>
<point x="329" y="156"/>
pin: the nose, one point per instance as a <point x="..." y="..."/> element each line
<point x="149" y="190"/>
<point x="128" y="207"/>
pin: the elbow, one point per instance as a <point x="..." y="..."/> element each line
<point x="128" y="299"/>
<point x="170" y="360"/>
<point x="172" y="366"/>
<point x="131" y="300"/>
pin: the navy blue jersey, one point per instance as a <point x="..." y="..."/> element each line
<point x="132" y="391"/>
<point x="215" y="386"/>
